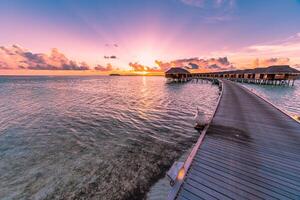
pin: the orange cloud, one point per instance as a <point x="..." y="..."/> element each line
<point x="142" y="68"/>
<point x="211" y="64"/>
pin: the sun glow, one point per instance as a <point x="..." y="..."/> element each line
<point x="142" y="73"/>
<point x="146" y="58"/>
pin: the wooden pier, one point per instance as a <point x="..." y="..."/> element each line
<point x="250" y="150"/>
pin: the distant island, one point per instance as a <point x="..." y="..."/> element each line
<point x="115" y="74"/>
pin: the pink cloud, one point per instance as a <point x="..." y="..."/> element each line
<point x="210" y="64"/>
<point x="139" y="67"/>
<point x="107" y="68"/>
<point x="270" y="61"/>
<point x="16" y="57"/>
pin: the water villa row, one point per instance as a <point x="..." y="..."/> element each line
<point x="273" y="75"/>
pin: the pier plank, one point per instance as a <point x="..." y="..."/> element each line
<point x="250" y="151"/>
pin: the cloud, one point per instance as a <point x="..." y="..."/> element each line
<point x="139" y="67"/>
<point x="16" y="57"/>
<point x="221" y="18"/>
<point x="108" y="67"/>
<point x="270" y="61"/>
<point x="297" y="66"/>
<point x="282" y="51"/>
<point x="290" y="45"/>
<point x="197" y="3"/>
<point x="227" y="4"/>
<point x="112" y="45"/>
<point x="213" y="11"/>
<point x="214" y="67"/>
<point x="193" y="66"/>
<point x="210" y="64"/>
<point x="210" y="3"/>
<point x="4" y="65"/>
<point x="276" y="48"/>
<point x="110" y="57"/>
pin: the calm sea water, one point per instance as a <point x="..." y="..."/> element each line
<point x="93" y="137"/>
<point x="286" y="98"/>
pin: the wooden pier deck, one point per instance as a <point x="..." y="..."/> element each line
<point x="251" y="150"/>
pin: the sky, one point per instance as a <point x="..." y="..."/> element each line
<point x="147" y="35"/>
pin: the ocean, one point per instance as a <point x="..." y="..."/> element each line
<point x="287" y="98"/>
<point x="94" y="137"/>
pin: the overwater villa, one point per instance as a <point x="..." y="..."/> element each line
<point x="178" y="74"/>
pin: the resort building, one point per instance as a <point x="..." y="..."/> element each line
<point x="273" y="75"/>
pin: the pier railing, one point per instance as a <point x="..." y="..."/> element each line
<point x="181" y="172"/>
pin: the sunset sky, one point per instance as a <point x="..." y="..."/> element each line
<point x="133" y="34"/>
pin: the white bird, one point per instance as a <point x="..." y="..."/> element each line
<point x="200" y="119"/>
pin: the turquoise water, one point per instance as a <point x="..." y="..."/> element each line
<point x="286" y="98"/>
<point x="94" y="137"/>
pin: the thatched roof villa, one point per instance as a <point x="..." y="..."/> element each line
<point x="178" y="74"/>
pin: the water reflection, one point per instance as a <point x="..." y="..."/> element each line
<point x="93" y="137"/>
<point x="286" y="98"/>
